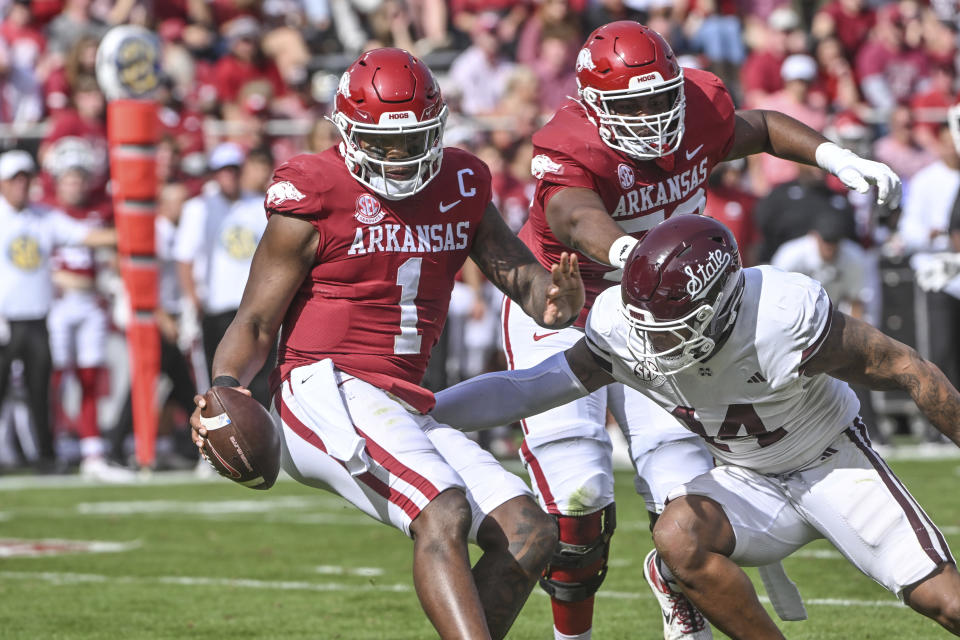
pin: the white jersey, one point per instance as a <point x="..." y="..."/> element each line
<point x="27" y="239"/>
<point x="750" y="401"/>
<point x="219" y="237"/>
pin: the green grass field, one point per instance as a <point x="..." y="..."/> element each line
<point x="180" y="558"/>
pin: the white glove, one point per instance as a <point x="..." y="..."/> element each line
<point x="4" y="331"/>
<point x="858" y="173"/>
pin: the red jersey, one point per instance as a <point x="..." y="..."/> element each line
<point x="79" y="259"/>
<point x="376" y="298"/>
<point x="734" y="208"/>
<point x="638" y="194"/>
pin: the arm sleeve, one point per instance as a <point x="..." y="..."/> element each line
<point x="503" y="397"/>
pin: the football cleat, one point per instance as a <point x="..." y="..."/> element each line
<point x="97" y="469"/>
<point x="681" y="620"/>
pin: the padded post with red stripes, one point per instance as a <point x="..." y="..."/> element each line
<point x="133" y="129"/>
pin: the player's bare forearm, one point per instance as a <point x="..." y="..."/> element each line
<point x="763" y="131"/>
<point x="578" y="218"/>
<point x="857" y="352"/>
<point x="283" y="258"/>
<point x="185" y="278"/>
<point x="553" y="299"/>
<point x="103" y="237"/>
<point x="589" y="368"/>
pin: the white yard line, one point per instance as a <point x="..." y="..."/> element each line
<point x="30" y="548"/>
<point x="907" y="453"/>
<point x="59" y="578"/>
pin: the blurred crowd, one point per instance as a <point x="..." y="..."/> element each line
<point x="246" y="84"/>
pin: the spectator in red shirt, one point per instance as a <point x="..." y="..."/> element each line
<point x="465" y="13"/>
<point x="848" y="20"/>
<point x="244" y="61"/>
<point x="85" y="118"/>
<point x="551" y="18"/>
<point x="889" y="72"/>
<point x="21" y="53"/>
<point x="836" y="78"/>
<point x="731" y="204"/>
<point x="80" y="61"/>
<point x="900" y="149"/>
<point x="760" y="73"/>
<point x="798" y="72"/>
<point x="930" y="107"/>
<point x="513" y="186"/>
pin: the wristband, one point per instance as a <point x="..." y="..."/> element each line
<point x="832" y="158"/>
<point x="226" y="381"/>
<point x="620" y="249"/>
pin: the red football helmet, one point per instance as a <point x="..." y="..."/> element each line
<point x="632" y="86"/>
<point x="681" y="288"/>
<point x="391" y="116"/>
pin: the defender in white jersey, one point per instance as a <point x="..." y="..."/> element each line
<point x="756" y="362"/>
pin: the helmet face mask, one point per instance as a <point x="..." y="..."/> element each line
<point x="643" y="133"/>
<point x="391" y="118"/>
<point x="395" y="161"/>
<point x="681" y="293"/>
<point x="632" y="87"/>
<point x="669" y="346"/>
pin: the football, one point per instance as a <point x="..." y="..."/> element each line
<point x="242" y="442"/>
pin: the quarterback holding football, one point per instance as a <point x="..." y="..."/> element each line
<point x="357" y="264"/>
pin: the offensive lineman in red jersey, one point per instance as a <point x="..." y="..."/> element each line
<point x="358" y="262"/>
<point x="635" y="149"/>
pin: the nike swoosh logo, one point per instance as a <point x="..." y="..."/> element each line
<point x="690" y="154"/>
<point x="537" y="338"/>
<point x="446" y="207"/>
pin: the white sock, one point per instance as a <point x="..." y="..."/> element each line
<point x="92" y="447"/>
<point x="580" y="636"/>
<point x="666" y="574"/>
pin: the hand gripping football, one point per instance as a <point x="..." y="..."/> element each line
<point x="242" y="442"/>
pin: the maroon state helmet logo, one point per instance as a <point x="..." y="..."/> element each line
<point x="368" y="209"/>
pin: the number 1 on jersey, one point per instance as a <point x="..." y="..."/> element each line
<point x="408" y="279"/>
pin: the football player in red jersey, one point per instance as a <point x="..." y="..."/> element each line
<point x="357" y="263"/>
<point x="632" y="151"/>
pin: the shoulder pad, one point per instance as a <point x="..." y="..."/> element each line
<point x="298" y="186"/>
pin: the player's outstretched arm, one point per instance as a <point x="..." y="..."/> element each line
<point x="857" y="352"/>
<point x="503" y="397"/>
<point x="579" y="219"/>
<point x="553" y="298"/>
<point x="762" y="131"/>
